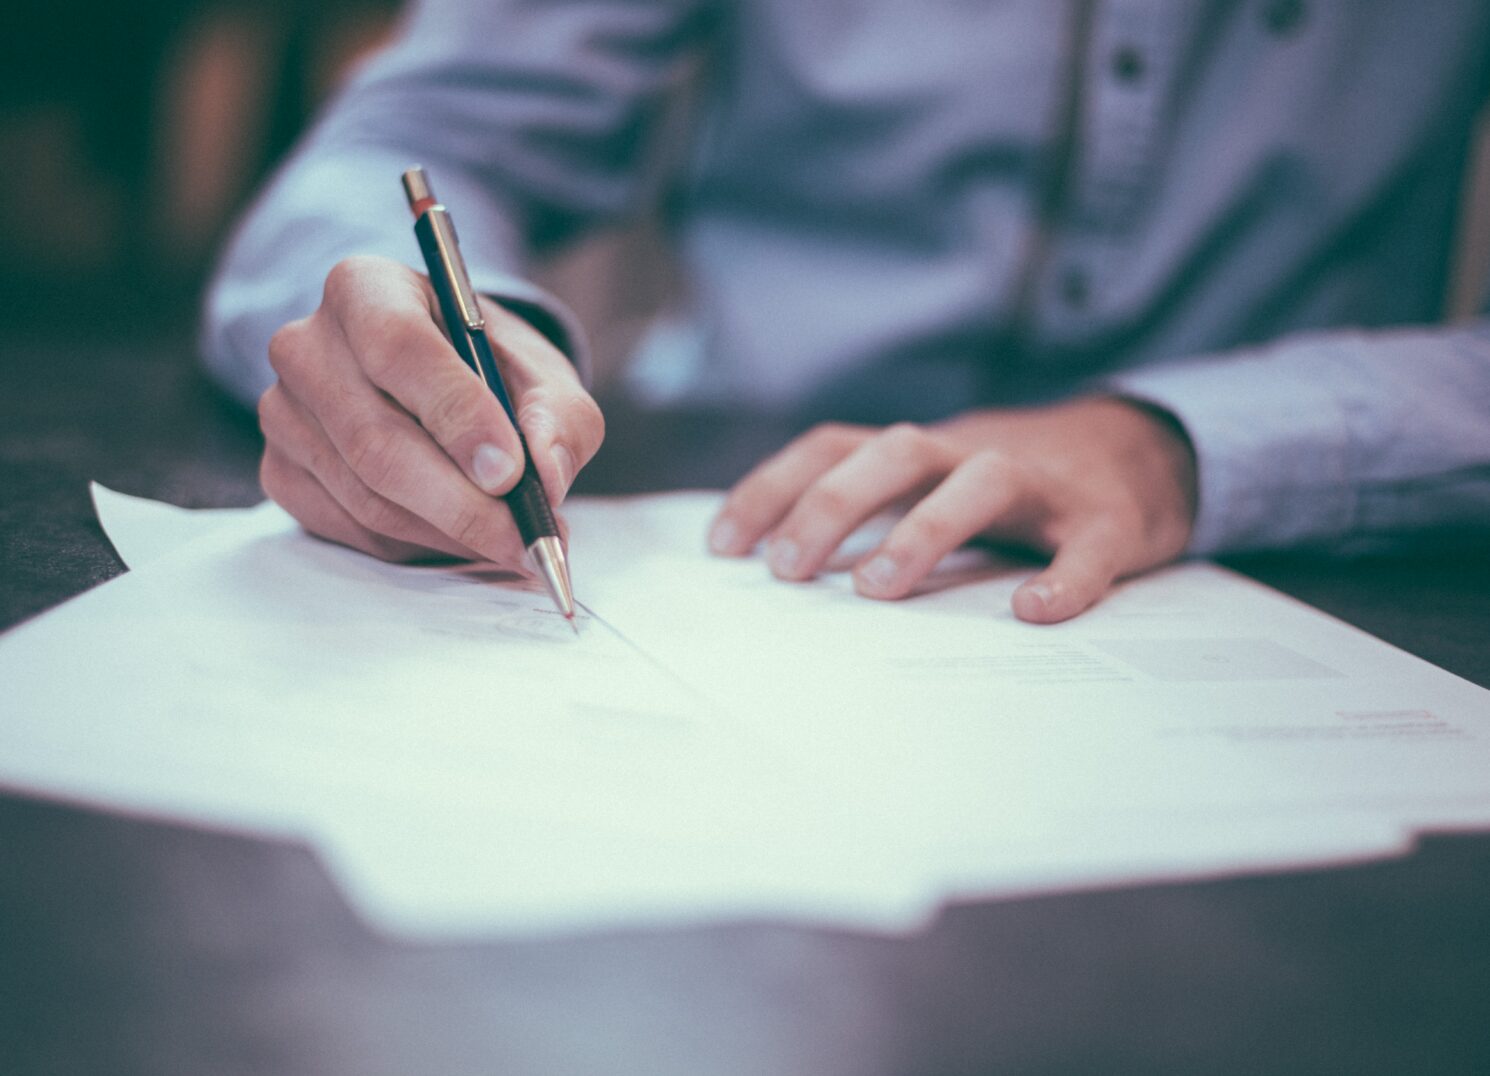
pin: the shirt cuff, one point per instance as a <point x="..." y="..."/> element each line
<point x="1271" y="450"/>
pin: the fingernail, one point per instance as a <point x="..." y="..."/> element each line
<point x="723" y="536"/>
<point x="493" y="467"/>
<point x="1039" y="594"/>
<point x="879" y="572"/>
<point x="782" y="555"/>
<point x="564" y="464"/>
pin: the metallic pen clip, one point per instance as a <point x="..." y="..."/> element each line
<point x="422" y="200"/>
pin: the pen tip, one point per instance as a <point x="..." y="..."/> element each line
<point x="547" y="554"/>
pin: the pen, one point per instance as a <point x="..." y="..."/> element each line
<point x="466" y="328"/>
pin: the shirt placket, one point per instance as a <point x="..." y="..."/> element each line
<point x="1134" y="50"/>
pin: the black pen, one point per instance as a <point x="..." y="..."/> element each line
<point x="466" y="328"/>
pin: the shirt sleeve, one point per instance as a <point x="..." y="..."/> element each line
<point x="532" y="118"/>
<point x="1348" y="440"/>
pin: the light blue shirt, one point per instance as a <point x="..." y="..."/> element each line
<point x="1238" y="211"/>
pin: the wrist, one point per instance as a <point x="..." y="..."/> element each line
<point x="1159" y="448"/>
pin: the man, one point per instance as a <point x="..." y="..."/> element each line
<point x="1125" y="279"/>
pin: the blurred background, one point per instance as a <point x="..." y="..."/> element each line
<point x="131" y="134"/>
<point x="131" y="137"/>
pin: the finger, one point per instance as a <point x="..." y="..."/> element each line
<point x="293" y="432"/>
<point x="296" y="491"/>
<point x="1081" y="572"/>
<point x="405" y="353"/>
<point x="983" y="491"/>
<point x="765" y="495"/>
<point x="387" y="315"/>
<point x="562" y="423"/>
<point x="387" y="450"/>
<point x="893" y="464"/>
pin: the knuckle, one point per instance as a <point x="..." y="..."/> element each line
<point x="270" y="411"/>
<point x="397" y="342"/>
<point x="344" y="280"/>
<point x="538" y="417"/>
<point x="471" y="526"/>
<point x="741" y="503"/>
<point x="454" y="410"/>
<point x="328" y="467"/>
<point x="288" y="348"/>
<point x="270" y="478"/>
<point x="542" y="403"/>
<point x="376" y="513"/>
<point x="789" y="456"/>
<point x="588" y="421"/>
<point x="826" y="500"/>
<point x="374" y="455"/>
<point x="926" y="530"/>
<point x="338" y="282"/>
<point x="756" y="497"/>
<point x="905" y="439"/>
<point x="990" y="466"/>
<point x="833" y="436"/>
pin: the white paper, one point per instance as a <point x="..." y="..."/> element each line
<point x="142" y="530"/>
<point x="720" y="744"/>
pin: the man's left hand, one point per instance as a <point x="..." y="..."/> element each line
<point x="1103" y="485"/>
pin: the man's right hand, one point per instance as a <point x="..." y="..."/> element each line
<point x="379" y="437"/>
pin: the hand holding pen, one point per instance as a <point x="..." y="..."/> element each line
<point x="465" y="324"/>
<point x="378" y="436"/>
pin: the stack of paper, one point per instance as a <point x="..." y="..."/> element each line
<point x="716" y="743"/>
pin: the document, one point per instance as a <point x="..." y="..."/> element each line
<point x="715" y="744"/>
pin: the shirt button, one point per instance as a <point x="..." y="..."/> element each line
<point x="1076" y="288"/>
<point x="1283" y="18"/>
<point x="1127" y="64"/>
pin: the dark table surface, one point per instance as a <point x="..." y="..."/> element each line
<point x="129" y="946"/>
